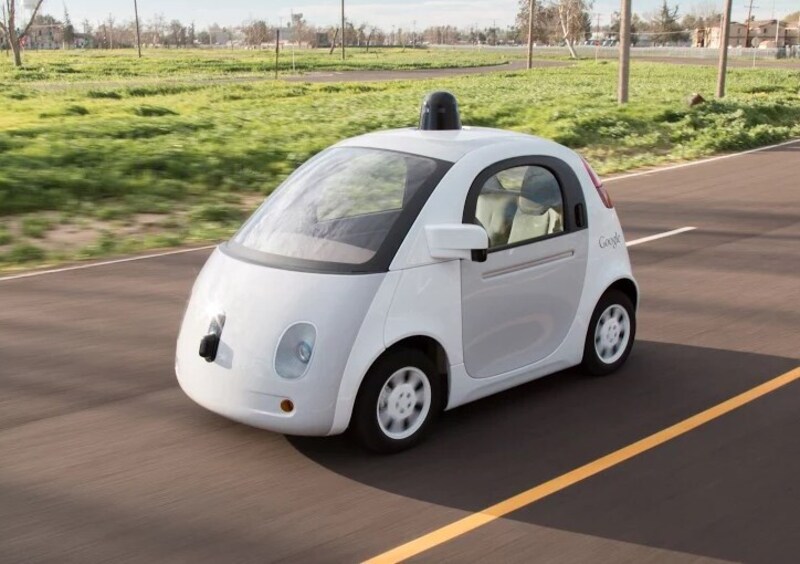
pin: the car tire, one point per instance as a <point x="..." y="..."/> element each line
<point x="398" y="402"/>
<point x="611" y="333"/>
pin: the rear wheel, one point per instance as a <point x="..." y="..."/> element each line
<point x="612" y="330"/>
<point x="397" y="403"/>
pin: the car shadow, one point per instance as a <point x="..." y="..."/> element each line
<point x="497" y="447"/>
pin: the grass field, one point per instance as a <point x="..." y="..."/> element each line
<point x="97" y="170"/>
<point x="194" y="64"/>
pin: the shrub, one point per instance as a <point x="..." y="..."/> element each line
<point x="153" y="111"/>
<point x="5" y="236"/>
<point x="36" y="227"/>
<point x="104" y="94"/>
<point x="217" y="213"/>
<point x="25" y="252"/>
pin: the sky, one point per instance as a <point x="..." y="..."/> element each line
<point x="384" y="13"/>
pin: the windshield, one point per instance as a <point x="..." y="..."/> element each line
<point x="341" y="206"/>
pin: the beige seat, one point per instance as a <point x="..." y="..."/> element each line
<point x="540" y="209"/>
<point x="495" y="211"/>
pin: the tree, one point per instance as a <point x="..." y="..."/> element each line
<point x="636" y="23"/>
<point x="492" y="36"/>
<point x="575" y="22"/>
<point x="792" y="18"/>
<point x="9" y="28"/>
<point x="69" y="30"/>
<point x="156" y="29"/>
<point x="546" y="26"/>
<point x="666" y="26"/>
<point x="256" y="33"/>
<point x="177" y="33"/>
<point x="302" y="32"/>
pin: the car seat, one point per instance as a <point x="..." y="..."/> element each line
<point x="495" y="211"/>
<point x="540" y="209"/>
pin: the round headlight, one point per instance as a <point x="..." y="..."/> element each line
<point x="295" y="350"/>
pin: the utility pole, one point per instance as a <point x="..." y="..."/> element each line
<point x="138" y="36"/>
<point x="777" y="25"/>
<point x="277" y="49"/>
<point x="723" y="49"/>
<point x="531" y="8"/>
<point x="624" y="51"/>
<point x="597" y="40"/>
<point x="344" y="32"/>
<point x="747" y="23"/>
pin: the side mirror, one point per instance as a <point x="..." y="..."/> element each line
<point x="457" y="241"/>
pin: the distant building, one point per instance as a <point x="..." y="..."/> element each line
<point x="322" y="40"/>
<point x="44" y="37"/>
<point x="50" y="37"/>
<point x="762" y="34"/>
<point x="83" y="41"/>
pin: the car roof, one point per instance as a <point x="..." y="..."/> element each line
<point x="449" y="145"/>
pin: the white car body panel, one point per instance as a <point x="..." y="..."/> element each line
<point x="359" y="316"/>
<point x="259" y="303"/>
<point x="519" y="305"/>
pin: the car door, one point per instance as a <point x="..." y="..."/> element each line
<point x="520" y="302"/>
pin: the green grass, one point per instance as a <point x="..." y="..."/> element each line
<point x="35" y="227"/>
<point x="196" y="64"/>
<point x="24" y="253"/>
<point x="5" y="236"/>
<point x="199" y="155"/>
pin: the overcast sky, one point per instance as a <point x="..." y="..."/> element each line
<point x="384" y="13"/>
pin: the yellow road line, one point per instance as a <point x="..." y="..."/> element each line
<point x="472" y="522"/>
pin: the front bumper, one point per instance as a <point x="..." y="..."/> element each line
<point x="217" y="393"/>
<point x="257" y="304"/>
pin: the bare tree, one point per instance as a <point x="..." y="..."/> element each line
<point x="572" y="17"/>
<point x="333" y="43"/>
<point x="546" y="26"/>
<point x="373" y="31"/>
<point x="156" y="28"/>
<point x="9" y="27"/>
<point x="256" y="33"/>
<point x="68" y="38"/>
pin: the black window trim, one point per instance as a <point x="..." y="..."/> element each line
<point x="384" y="256"/>
<point x="568" y="183"/>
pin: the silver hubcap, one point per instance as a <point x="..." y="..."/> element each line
<point x="612" y="333"/>
<point x="404" y="403"/>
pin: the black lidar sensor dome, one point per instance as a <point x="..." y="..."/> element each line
<point x="439" y="112"/>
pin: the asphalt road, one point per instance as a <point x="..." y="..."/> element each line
<point x="102" y="457"/>
<point x="379" y="76"/>
<point x="419" y="74"/>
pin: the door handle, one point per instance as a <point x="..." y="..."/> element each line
<point x="480" y="255"/>
<point x="580" y="216"/>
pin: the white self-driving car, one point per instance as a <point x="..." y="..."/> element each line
<point x="402" y="273"/>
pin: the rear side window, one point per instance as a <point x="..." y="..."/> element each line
<point x="520" y="204"/>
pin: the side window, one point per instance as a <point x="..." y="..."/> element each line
<point x="520" y="204"/>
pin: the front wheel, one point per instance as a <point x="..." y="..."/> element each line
<point x="612" y="330"/>
<point x="397" y="402"/>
